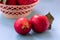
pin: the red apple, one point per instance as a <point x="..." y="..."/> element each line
<point x="11" y="2"/>
<point x="22" y="26"/>
<point x="39" y="23"/>
<point x="1" y="3"/>
<point x="26" y="2"/>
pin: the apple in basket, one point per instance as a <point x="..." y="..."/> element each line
<point x="20" y="2"/>
<point x="11" y="2"/>
<point x="26" y="2"/>
<point x="8" y="2"/>
<point x="1" y="3"/>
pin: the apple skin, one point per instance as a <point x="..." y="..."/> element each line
<point x="26" y="2"/>
<point x="40" y="23"/>
<point x="1" y="1"/>
<point x="22" y="26"/>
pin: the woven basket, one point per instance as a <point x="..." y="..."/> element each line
<point x="16" y="11"/>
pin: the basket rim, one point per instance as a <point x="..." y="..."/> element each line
<point x="21" y="5"/>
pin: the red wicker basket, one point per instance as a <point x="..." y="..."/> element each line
<point x="16" y="11"/>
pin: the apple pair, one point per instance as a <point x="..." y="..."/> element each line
<point x="38" y="23"/>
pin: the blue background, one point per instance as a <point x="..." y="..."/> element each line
<point x="7" y="31"/>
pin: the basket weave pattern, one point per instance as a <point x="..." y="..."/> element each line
<point x="16" y="11"/>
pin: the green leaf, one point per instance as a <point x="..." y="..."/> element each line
<point x="50" y="18"/>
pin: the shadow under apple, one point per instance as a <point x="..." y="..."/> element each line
<point x="35" y="36"/>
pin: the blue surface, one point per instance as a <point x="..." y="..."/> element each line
<point x="7" y="31"/>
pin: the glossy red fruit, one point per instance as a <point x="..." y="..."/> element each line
<point x="26" y="2"/>
<point x="39" y="23"/>
<point x="22" y="26"/>
<point x="11" y="2"/>
<point x="17" y="3"/>
<point x="1" y="2"/>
